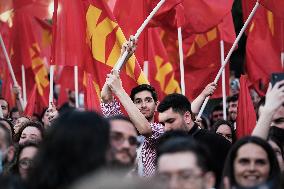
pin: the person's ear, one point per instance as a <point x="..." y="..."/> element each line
<point x="187" y="117"/>
<point x="210" y="179"/>
<point x="10" y="153"/>
<point x="157" y="104"/>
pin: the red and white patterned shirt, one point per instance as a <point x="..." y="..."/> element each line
<point x="148" y="152"/>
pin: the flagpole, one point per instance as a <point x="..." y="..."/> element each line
<point x="229" y="55"/>
<point x="51" y="82"/>
<point x="181" y="65"/>
<point x="146" y="68"/>
<point x="10" y="67"/>
<point x="121" y="61"/>
<point x="223" y="80"/>
<point x="24" y="85"/>
<point x="76" y="86"/>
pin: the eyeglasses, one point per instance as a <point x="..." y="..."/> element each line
<point x="120" y="138"/>
<point x="26" y="163"/>
<point x="182" y="177"/>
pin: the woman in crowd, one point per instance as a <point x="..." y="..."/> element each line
<point x="25" y="159"/>
<point x="225" y="129"/>
<point x="251" y="162"/>
<point x="278" y="149"/>
<point x="30" y="131"/>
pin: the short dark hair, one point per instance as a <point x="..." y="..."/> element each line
<point x="274" y="174"/>
<point x="178" y="142"/>
<point x="217" y="108"/>
<point x="119" y="117"/>
<point x="1" y="98"/>
<point x="7" y="136"/>
<point x="10" y="125"/>
<point x="178" y="102"/>
<point x="233" y="98"/>
<point x="123" y="118"/>
<point x="74" y="146"/>
<point x="144" y="87"/>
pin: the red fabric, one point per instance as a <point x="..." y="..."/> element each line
<point x="202" y="63"/>
<point x="162" y="74"/>
<point x="227" y="30"/>
<point x="26" y="50"/>
<point x="246" y="117"/>
<point x="203" y="15"/>
<point x="261" y="61"/>
<point x="31" y="101"/>
<point x="170" y="16"/>
<point x="161" y="70"/>
<point x="92" y="101"/>
<point x="276" y="6"/>
<point x="130" y="15"/>
<point x="69" y="33"/>
<point x="106" y="50"/>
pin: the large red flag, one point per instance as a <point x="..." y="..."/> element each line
<point x="161" y="71"/>
<point x="69" y="36"/>
<point x="202" y="63"/>
<point x="246" y="117"/>
<point x="276" y="6"/>
<point x="26" y="51"/>
<point x="105" y="39"/>
<point x="263" y="55"/>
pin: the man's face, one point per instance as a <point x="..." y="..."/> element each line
<point x="4" y="106"/>
<point x="123" y="142"/>
<point x="174" y="121"/>
<point x="233" y="109"/>
<point x="251" y="166"/>
<point x="217" y="115"/>
<point x="180" y="171"/>
<point x="3" y="145"/>
<point x="278" y="118"/>
<point x="146" y="104"/>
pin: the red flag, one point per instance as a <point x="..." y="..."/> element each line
<point x="197" y="14"/>
<point x="31" y="101"/>
<point x="246" y="117"/>
<point x="202" y="63"/>
<point x="161" y="70"/>
<point x="26" y="51"/>
<point x="262" y="52"/>
<point x="276" y="6"/>
<point x="92" y="92"/>
<point x="106" y="38"/>
<point x="69" y="37"/>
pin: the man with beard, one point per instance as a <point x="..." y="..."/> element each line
<point x="7" y="150"/>
<point x="232" y="102"/>
<point x="123" y="141"/>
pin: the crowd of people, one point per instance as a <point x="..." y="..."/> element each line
<point x="157" y="143"/>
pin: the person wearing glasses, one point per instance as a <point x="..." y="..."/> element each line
<point x="123" y="142"/>
<point x="25" y="160"/>
<point x="183" y="163"/>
